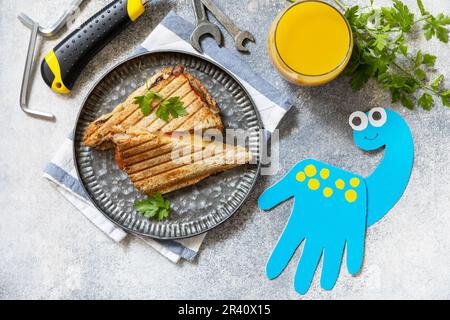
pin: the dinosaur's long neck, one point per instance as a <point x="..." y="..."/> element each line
<point x="388" y="182"/>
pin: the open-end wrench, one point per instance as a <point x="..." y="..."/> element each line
<point x="238" y="35"/>
<point x="203" y="27"/>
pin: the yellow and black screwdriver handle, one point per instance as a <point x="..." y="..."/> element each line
<point x="63" y="65"/>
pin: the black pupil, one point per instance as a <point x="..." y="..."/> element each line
<point x="356" y="121"/>
<point x="376" y="115"/>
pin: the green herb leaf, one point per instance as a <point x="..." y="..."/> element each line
<point x="174" y="107"/>
<point x="423" y="12"/>
<point x="436" y="26"/>
<point x="154" y="207"/>
<point x="403" y="50"/>
<point x="426" y="101"/>
<point x="445" y="97"/>
<point x="145" y="102"/>
<point x="403" y="16"/>
<point x="420" y="73"/>
<point x="419" y="58"/>
<point x="360" y="77"/>
<point x="435" y="85"/>
<point x="351" y="14"/>
<point x="429" y="60"/>
<point x="443" y="19"/>
<point x="380" y="41"/>
<point x="407" y="102"/>
<point x="163" y="214"/>
<point x="163" y="113"/>
<point x="154" y="96"/>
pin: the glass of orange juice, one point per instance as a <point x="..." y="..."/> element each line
<point x="310" y="43"/>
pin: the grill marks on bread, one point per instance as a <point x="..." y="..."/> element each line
<point x="203" y="112"/>
<point x="155" y="159"/>
<point x="149" y="160"/>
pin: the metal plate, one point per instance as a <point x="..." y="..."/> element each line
<point x="195" y="209"/>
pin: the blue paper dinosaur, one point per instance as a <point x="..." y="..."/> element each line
<point x="333" y="207"/>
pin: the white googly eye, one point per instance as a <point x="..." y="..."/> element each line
<point x="377" y="117"/>
<point x="358" y="121"/>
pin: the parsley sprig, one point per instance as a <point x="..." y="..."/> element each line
<point x="172" y="106"/>
<point x="154" y="207"/>
<point x="381" y="52"/>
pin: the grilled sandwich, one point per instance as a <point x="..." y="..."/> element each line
<point x="168" y="162"/>
<point x="202" y="109"/>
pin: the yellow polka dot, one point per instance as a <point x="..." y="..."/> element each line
<point x="313" y="184"/>
<point x="354" y="182"/>
<point x="327" y="192"/>
<point x="324" y="174"/>
<point x="351" y="195"/>
<point x="340" y="184"/>
<point x="310" y="170"/>
<point x="300" y="176"/>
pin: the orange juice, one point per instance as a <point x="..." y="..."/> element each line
<point x="310" y="43"/>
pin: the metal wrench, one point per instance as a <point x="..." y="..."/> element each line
<point x="203" y="27"/>
<point x="26" y="80"/>
<point x="239" y="36"/>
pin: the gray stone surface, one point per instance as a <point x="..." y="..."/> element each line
<point x="49" y="250"/>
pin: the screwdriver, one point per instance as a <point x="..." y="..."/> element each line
<point x="63" y="65"/>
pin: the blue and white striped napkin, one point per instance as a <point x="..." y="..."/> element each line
<point x="172" y="34"/>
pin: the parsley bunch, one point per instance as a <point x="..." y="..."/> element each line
<point x="381" y="52"/>
<point x="172" y="106"/>
<point x="154" y="207"/>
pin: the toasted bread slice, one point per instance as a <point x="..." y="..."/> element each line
<point x="168" y="162"/>
<point x="203" y="112"/>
